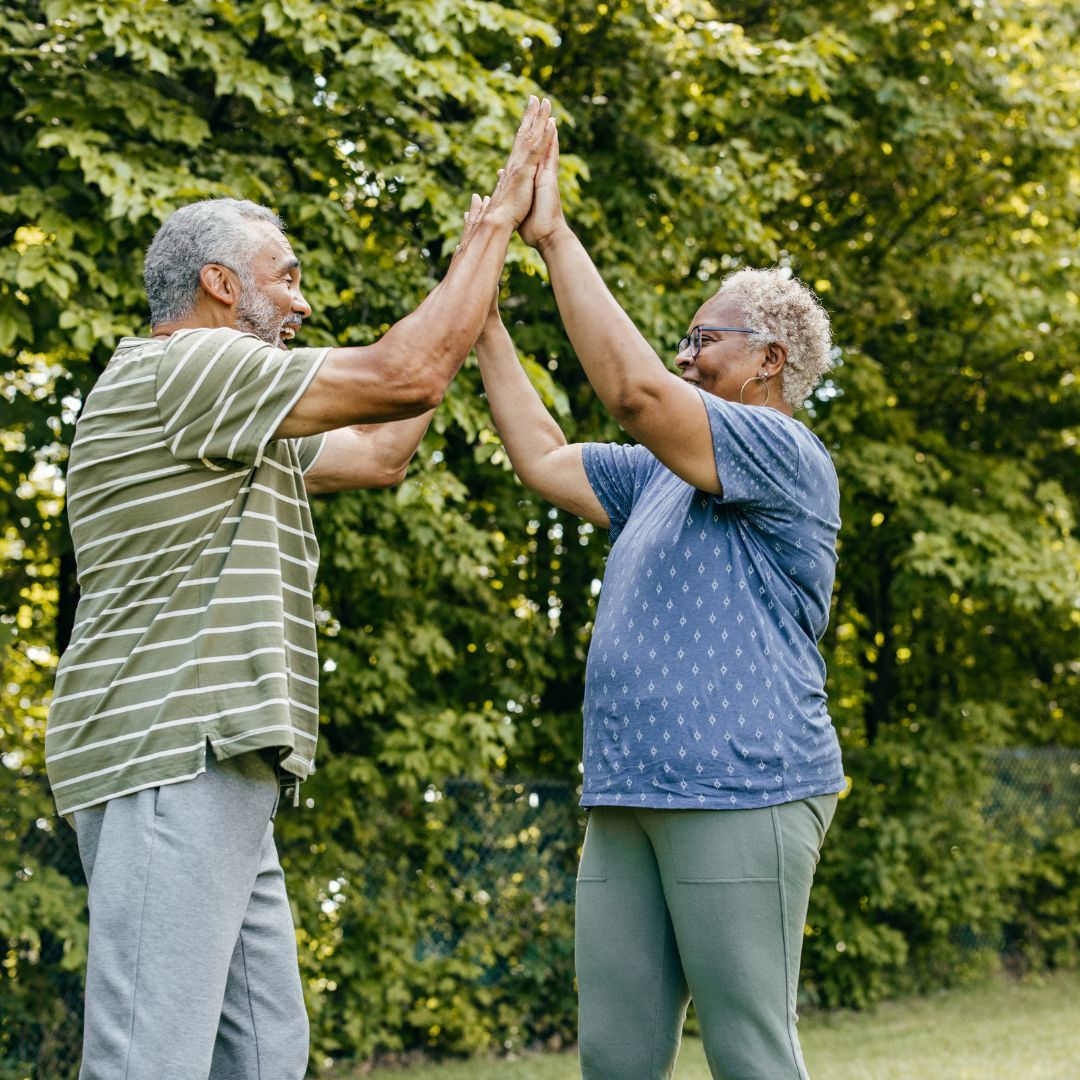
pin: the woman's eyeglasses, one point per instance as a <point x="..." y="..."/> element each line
<point x="692" y="341"/>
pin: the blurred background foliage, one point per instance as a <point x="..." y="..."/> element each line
<point x="916" y="162"/>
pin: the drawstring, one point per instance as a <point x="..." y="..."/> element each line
<point x="296" y="792"/>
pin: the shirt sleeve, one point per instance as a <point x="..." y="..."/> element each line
<point x="757" y="456"/>
<point x="618" y="474"/>
<point x="308" y="450"/>
<point x="222" y="394"/>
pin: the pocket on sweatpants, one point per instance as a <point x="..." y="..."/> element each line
<point x="164" y="794"/>
<point x="159" y="800"/>
<point x="823" y="807"/>
<point x="819" y="811"/>
<point x="715" y="846"/>
<point x="593" y="865"/>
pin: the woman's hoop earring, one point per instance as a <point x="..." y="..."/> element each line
<point x="756" y="378"/>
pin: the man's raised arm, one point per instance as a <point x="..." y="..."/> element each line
<point x="406" y="372"/>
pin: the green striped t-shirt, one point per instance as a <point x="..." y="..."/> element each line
<point x="196" y="561"/>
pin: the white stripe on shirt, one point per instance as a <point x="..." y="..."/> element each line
<point x="172" y="470"/>
<point x="156" y="497"/>
<point x="100" y="388"/>
<point x="148" y="676"/>
<point x="171" y="696"/>
<point x="157" y="525"/>
<point x="205" y="632"/>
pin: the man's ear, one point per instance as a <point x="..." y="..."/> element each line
<point x="775" y="357"/>
<point x="220" y="283"/>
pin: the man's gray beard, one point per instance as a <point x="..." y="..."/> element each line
<point x="256" y="315"/>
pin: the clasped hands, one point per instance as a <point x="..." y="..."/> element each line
<point x="526" y="196"/>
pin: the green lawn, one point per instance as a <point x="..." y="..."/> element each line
<point x="1002" y="1031"/>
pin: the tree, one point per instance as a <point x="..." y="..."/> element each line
<point x="916" y="162"/>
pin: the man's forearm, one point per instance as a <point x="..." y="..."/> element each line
<point x="393" y="445"/>
<point x="619" y="363"/>
<point x="366" y="455"/>
<point x="442" y="330"/>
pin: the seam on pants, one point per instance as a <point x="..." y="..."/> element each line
<point x="656" y="1010"/>
<point x="665" y="828"/>
<point x="663" y="946"/>
<point x="142" y="923"/>
<point x="788" y="1003"/>
<point x="251" y="1007"/>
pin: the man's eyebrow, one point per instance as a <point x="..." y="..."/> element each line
<point x="291" y="264"/>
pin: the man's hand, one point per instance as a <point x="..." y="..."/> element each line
<point x="477" y="209"/>
<point x="468" y="229"/>
<point x="545" y="219"/>
<point x="513" y="194"/>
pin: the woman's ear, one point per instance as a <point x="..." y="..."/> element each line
<point x="220" y="283"/>
<point x="775" y="357"/>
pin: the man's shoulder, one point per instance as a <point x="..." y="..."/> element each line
<point x="131" y="347"/>
<point x="199" y="337"/>
<point x="134" y="351"/>
<point x="198" y="348"/>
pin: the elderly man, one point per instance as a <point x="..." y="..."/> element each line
<point x="187" y="497"/>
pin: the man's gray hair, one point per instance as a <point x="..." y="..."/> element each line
<point x="211" y="231"/>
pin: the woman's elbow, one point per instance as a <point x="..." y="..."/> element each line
<point x="628" y="405"/>
<point x="633" y="402"/>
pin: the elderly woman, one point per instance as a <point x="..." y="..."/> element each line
<point x="711" y="768"/>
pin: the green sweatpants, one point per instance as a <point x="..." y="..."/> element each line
<point x="708" y="904"/>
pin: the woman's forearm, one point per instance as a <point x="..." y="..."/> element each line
<point x="619" y="363"/>
<point x="526" y="428"/>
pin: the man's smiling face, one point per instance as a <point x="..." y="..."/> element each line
<point x="271" y="305"/>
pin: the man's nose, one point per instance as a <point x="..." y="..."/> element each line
<point x="301" y="305"/>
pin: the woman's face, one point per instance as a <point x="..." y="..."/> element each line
<point x="725" y="361"/>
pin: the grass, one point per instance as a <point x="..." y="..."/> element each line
<point x="998" y="1031"/>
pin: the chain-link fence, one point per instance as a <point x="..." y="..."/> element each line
<point x="520" y="839"/>
<point x="1035" y="794"/>
<point x="514" y="842"/>
<point x="1033" y="783"/>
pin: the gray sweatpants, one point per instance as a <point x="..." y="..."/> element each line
<point x="192" y="969"/>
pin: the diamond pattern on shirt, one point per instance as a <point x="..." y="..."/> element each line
<point x="704" y="684"/>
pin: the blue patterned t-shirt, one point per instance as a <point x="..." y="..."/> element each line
<point x="704" y="685"/>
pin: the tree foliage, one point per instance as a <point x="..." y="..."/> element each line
<point x="915" y="161"/>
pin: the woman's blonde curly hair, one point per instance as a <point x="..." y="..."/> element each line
<point x="781" y="308"/>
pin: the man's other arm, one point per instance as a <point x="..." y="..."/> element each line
<point x="366" y="455"/>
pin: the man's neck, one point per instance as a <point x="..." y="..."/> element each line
<point x="201" y="318"/>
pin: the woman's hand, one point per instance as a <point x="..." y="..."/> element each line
<point x="513" y="194"/>
<point x="545" y="220"/>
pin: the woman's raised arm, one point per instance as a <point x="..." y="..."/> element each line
<point x="535" y="444"/>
